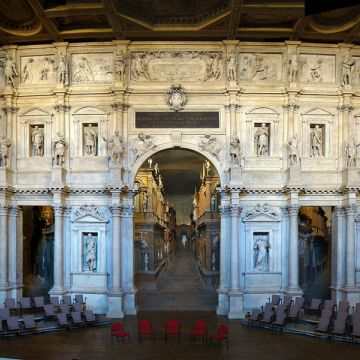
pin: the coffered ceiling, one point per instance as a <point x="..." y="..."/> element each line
<point x="38" y="21"/>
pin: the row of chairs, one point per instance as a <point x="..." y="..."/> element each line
<point x="172" y="328"/>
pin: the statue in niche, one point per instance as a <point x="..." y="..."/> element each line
<point x="141" y="144"/>
<point x="316" y="141"/>
<point x="293" y="68"/>
<point x="62" y="70"/>
<point x="195" y="206"/>
<point x="213" y="260"/>
<point x="347" y="65"/>
<point x="262" y="140"/>
<point x="146" y="261"/>
<point x="90" y="253"/>
<point x="27" y="71"/>
<point x="207" y="167"/>
<point x="210" y="144"/>
<point x="47" y="66"/>
<point x="235" y="150"/>
<point x="37" y="138"/>
<point x="120" y="66"/>
<point x="213" y="203"/>
<point x="5" y="151"/>
<point x="212" y="67"/>
<point x="145" y="201"/>
<point x="316" y="71"/>
<point x="90" y="140"/>
<point x="117" y="148"/>
<point x="261" y="252"/>
<point x="231" y="67"/>
<point x="9" y="71"/>
<point x="292" y="146"/>
<point x="351" y="151"/>
<point x="83" y="71"/>
<point x="58" y="146"/>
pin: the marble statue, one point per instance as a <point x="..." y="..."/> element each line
<point x="9" y="71"/>
<point x="262" y="140"/>
<point x="195" y="205"/>
<point x="27" y="75"/>
<point x="316" y="71"/>
<point x="120" y="67"/>
<point x="261" y="253"/>
<point x="90" y="140"/>
<point x="160" y="181"/>
<point x="207" y="167"/>
<point x="37" y="138"/>
<point x="210" y="144"/>
<point x="347" y="65"/>
<point x="231" y="67"/>
<point x="292" y="146"/>
<point x="62" y="70"/>
<point x="145" y="201"/>
<point x="90" y="253"/>
<point x="316" y="141"/>
<point x="156" y="169"/>
<point x="146" y="261"/>
<point x="184" y="240"/>
<point x="47" y="66"/>
<point x="235" y="150"/>
<point x="117" y="148"/>
<point x="293" y="68"/>
<point x="5" y="151"/>
<point x="213" y="203"/>
<point x="58" y="146"/>
<point x="213" y="260"/>
<point x="351" y="151"/>
<point x="83" y="71"/>
<point x="150" y="161"/>
<point x="142" y="144"/>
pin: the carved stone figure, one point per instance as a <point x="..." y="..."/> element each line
<point x="37" y="138"/>
<point x="120" y="67"/>
<point x="150" y="160"/>
<point x="351" y="151"/>
<point x="257" y="67"/>
<point x="145" y="200"/>
<point x="316" y="141"/>
<point x="293" y="68"/>
<point x="58" y="146"/>
<point x="235" y="150"/>
<point x="213" y="203"/>
<point x="90" y="140"/>
<point x="207" y="167"/>
<point x="90" y="253"/>
<point x="9" y="71"/>
<point x="117" y="148"/>
<point x="347" y="65"/>
<point x="47" y="66"/>
<point x="292" y="146"/>
<point x="316" y="71"/>
<point x="231" y="67"/>
<point x="262" y="140"/>
<point x="176" y="97"/>
<point x="83" y="71"/>
<point x="5" y="151"/>
<point x="146" y="261"/>
<point x="213" y="70"/>
<point x="261" y="253"/>
<point x="141" y="144"/>
<point x="213" y="260"/>
<point x="156" y="169"/>
<point x="210" y="144"/>
<point x="139" y="70"/>
<point x="27" y="71"/>
<point x="62" y="70"/>
<point x="160" y="181"/>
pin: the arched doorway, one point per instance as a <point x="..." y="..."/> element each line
<point x="177" y="231"/>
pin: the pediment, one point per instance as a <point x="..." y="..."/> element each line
<point x="89" y="218"/>
<point x="261" y="217"/>
<point x="262" y="110"/>
<point x="36" y="112"/>
<point x="90" y="110"/>
<point x="318" y="112"/>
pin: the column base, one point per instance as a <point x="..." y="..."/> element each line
<point x="294" y="292"/>
<point x="4" y="293"/>
<point x="223" y="302"/>
<point x="129" y="302"/>
<point x="236" y="302"/>
<point x="115" y="306"/>
<point x="56" y="291"/>
<point x="350" y="294"/>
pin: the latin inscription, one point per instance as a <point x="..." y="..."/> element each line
<point x="205" y="119"/>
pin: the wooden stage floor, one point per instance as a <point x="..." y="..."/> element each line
<point x="244" y="343"/>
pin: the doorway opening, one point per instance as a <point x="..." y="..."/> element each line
<point x="177" y="231"/>
<point x="38" y="250"/>
<point x="315" y="251"/>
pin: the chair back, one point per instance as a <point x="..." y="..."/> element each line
<point x="79" y="299"/>
<point x="173" y="325"/>
<point x="339" y="326"/>
<point x="357" y="307"/>
<point x="287" y="300"/>
<point x="89" y="315"/>
<point x="315" y="303"/>
<point x="66" y="299"/>
<point x="1" y="326"/>
<point x="281" y="308"/>
<point x="268" y="307"/>
<point x="49" y="310"/>
<point x="343" y="306"/>
<point x="223" y="329"/>
<point x="116" y="327"/>
<point x="145" y="325"/>
<point x="323" y="324"/>
<point x="4" y="314"/>
<point x="329" y="304"/>
<point x="356" y="327"/>
<point x="54" y="300"/>
<point x="39" y="301"/>
<point x="299" y="302"/>
<point x="280" y="318"/>
<point x="326" y="313"/>
<point x="13" y="323"/>
<point x="62" y="319"/>
<point x="76" y="316"/>
<point x="294" y="311"/>
<point x="77" y="307"/>
<point x="64" y="309"/>
<point x="25" y="303"/>
<point x="275" y="299"/>
<point x="200" y="325"/>
<point x="29" y="321"/>
<point x="10" y="303"/>
<point x="255" y="314"/>
<point x="342" y="315"/>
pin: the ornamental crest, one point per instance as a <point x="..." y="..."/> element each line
<point x="176" y="97"/>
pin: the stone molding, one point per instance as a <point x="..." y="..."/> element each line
<point x="293" y="209"/>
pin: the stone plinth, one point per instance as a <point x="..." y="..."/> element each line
<point x="236" y="301"/>
<point x="115" y="176"/>
<point x="351" y="177"/>
<point x="294" y="176"/>
<point x="236" y="175"/>
<point x="5" y="176"/>
<point x="58" y="174"/>
<point x="115" y="306"/>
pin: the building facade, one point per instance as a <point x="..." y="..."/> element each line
<point x="279" y="122"/>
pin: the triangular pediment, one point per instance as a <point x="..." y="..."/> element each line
<point x="36" y="112"/>
<point x="261" y="217"/>
<point x="89" y="218"/>
<point x="318" y="112"/>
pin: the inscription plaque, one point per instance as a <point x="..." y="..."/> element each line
<point x="191" y="119"/>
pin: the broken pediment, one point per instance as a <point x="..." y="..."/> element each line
<point x="262" y="214"/>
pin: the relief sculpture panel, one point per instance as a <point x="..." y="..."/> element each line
<point x="171" y="66"/>
<point x="317" y="68"/>
<point x="39" y="70"/>
<point x="95" y="68"/>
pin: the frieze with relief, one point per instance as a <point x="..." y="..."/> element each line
<point x="316" y="68"/>
<point x="39" y="70"/>
<point x="260" y="67"/>
<point x="355" y="71"/>
<point x="95" y="68"/>
<point x="2" y="74"/>
<point x="170" y="66"/>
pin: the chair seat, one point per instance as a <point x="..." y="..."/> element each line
<point x="146" y="331"/>
<point x="218" y="336"/>
<point x="120" y="333"/>
<point x="199" y="332"/>
<point x="172" y="331"/>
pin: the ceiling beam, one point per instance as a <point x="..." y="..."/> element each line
<point x="113" y="18"/>
<point x="235" y="7"/>
<point x="299" y="28"/>
<point x="47" y="23"/>
<point x="75" y="10"/>
<point x="353" y="34"/>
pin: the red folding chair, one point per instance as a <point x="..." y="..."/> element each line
<point x="118" y="332"/>
<point x="222" y="334"/>
<point x="145" y="328"/>
<point x="172" y="327"/>
<point x="200" y="329"/>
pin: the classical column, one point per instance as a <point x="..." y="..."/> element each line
<point x="4" y="281"/>
<point x="293" y="249"/>
<point x="15" y="247"/>
<point x="67" y="246"/>
<point x="116" y="249"/>
<point x="61" y="108"/>
<point x="118" y="109"/>
<point x="350" y="246"/>
<point x="58" y="286"/>
<point x="234" y="260"/>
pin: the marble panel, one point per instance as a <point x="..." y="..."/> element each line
<point x="317" y="68"/>
<point x="37" y="70"/>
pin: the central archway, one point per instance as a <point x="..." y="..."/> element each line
<point x="177" y="231"/>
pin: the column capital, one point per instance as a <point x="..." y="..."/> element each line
<point x="235" y="210"/>
<point x="339" y="211"/>
<point x="9" y="109"/>
<point x="225" y="210"/>
<point x="290" y="107"/>
<point x="4" y="209"/>
<point x="115" y="210"/>
<point x="62" y="108"/>
<point x="67" y="210"/>
<point x="119" y="106"/>
<point x="345" y="108"/>
<point x="127" y="210"/>
<point x="232" y="106"/>
<point x="350" y="210"/>
<point x="293" y="209"/>
<point x="59" y="210"/>
<point x="15" y="210"/>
